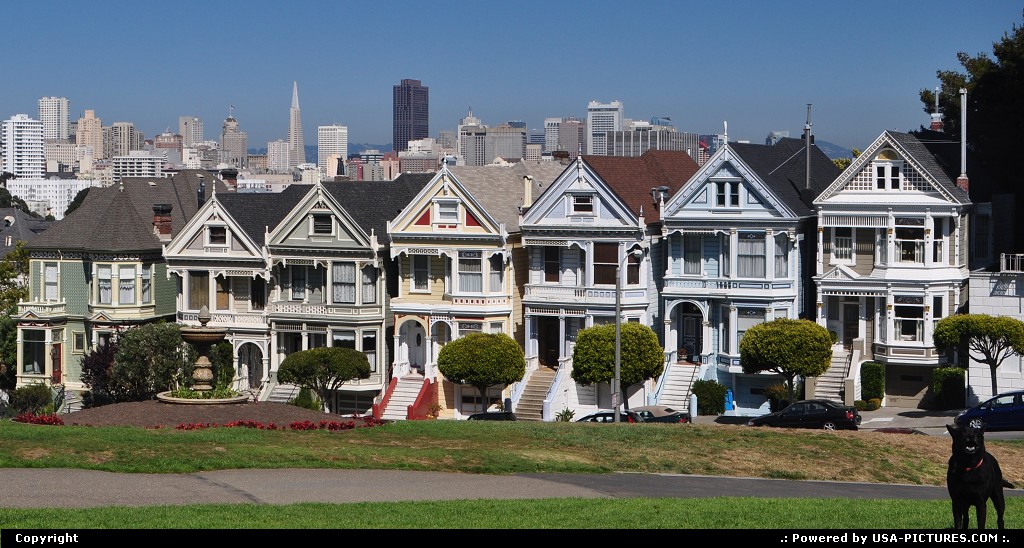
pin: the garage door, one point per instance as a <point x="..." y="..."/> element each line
<point x="907" y="385"/>
<point x="749" y="393"/>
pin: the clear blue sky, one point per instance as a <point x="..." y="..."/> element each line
<point x="753" y="64"/>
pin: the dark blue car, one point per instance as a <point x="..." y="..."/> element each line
<point x="1003" y="412"/>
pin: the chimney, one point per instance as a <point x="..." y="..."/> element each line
<point x="201" y="191"/>
<point x="962" y="181"/>
<point x="527" y="191"/>
<point x="936" y="116"/>
<point x="162" y="221"/>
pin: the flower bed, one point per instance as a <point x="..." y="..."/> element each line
<point x="42" y="418"/>
<point x="355" y="422"/>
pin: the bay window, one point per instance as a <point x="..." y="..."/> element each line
<point x="33" y="345"/>
<point x="298" y="283"/>
<point x="126" y="285"/>
<point x="496" y="265"/>
<point x="471" y="275"/>
<point x="147" y="283"/>
<point x="781" y="256"/>
<point x="198" y="290"/>
<point x="750" y="255"/>
<point x="370" y="349"/>
<point x="691" y="253"/>
<point x="747" y="318"/>
<point x="552" y="263"/>
<point x="105" y="284"/>
<point x="50" y="292"/>
<point x="420" y="272"/>
<point x="605" y="263"/>
<point x="369" y="285"/>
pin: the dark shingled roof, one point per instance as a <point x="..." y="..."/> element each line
<point x="632" y="178"/>
<point x="120" y="217"/>
<point x="373" y="203"/>
<point x="941" y="158"/>
<point x="20" y="226"/>
<point x="783" y="167"/>
<point x="258" y="213"/>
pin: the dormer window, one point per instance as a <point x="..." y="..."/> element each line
<point x="582" y="204"/>
<point x="887" y="170"/>
<point x="217" y="235"/>
<point x="448" y="211"/>
<point x="323" y="223"/>
<point x="727" y="194"/>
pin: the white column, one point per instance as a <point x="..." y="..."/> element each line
<point x="734" y="347"/>
<point x="819" y="256"/>
<point x="929" y="236"/>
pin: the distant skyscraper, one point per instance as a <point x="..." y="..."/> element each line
<point x="278" y="153"/>
<point x="22" y="145"/>
<point x="121" y="138"/>
<point x="504" y="141"/>
<point x="601" y="118"/>
<point x="233" y="143"/>
<point x="411" y="117"/>
<point x="53" y="113"/>
<point x="572" y="136"/>
<point x="296" y="145"/>
<point x="551" y="133"/>
<point x="330" y="140"/>
<point x="191" y="130"/>
<point x="89" y="133"/>
<point x="775" y="136"/>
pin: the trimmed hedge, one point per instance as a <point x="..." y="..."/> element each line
<point x="872" y="380"/>
<point x="710" y="397"/>
<point x="948" y="386"/>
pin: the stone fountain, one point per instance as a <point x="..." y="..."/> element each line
<point x="203" y="338"/>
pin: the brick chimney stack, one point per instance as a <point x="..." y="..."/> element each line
<point x="230" y="177"/>
<point x="162" y="221"/>
<point x="936" y="116"/>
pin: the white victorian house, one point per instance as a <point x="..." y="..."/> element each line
<point x="736" y="239"/>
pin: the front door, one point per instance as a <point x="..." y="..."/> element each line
<point x="56" y="354"/>
<point x="548" y="340"/>
<point x="851" y="323"/>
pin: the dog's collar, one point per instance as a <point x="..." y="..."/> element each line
<point x="975" y="467"/>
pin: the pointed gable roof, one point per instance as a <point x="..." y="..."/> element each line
<point x="633" y="177"/>
<point x="120" y="217"/>
<point x="783" y="167"/>
<point x="373" y="203"/>
<point x="500" y="190"/>
<point x="259" y="213"/>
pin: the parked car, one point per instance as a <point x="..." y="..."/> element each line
<point x="608" y="415"/>
<point x="825" y="414"/>
<point x="1003" y="412"/>
<point x="493" y="416"/>
<point x="661" y="413"/>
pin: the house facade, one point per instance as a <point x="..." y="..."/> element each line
<point x="578" y="235"/>
<point x="456" y="245"/>
<point x="892" y="249"/>
<point x="997" y="291"/>
<point x="735" y="240"/>
<point x="101" y="270"/>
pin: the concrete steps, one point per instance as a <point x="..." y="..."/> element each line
<point x="531" y="402"/>
<point x="678" y="385"/>
<point x="404" y="395"/>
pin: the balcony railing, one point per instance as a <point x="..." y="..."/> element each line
<point x="1011" y="262"/>
<point x="43" y="309"/>
<point x="588" y="294"/>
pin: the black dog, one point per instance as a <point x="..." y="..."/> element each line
<point x="973" y="477"/>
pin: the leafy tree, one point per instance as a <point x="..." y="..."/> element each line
<point x="787" y="347"/>
<point x="641" y="356"/>
<point x="149" y="360"/>
<point x="994" y="86"/>
<point x="843" y="163"/>
<point x="323" y="370"/>
<point x="986" y="339"/>
<point x="482" y="360"/>
<point x="9" y="200"/>
<point x="13" y="277"/>
<point x="97" y="375"/>
<point x="79" y="198"/>
<point x="8" y="353"/>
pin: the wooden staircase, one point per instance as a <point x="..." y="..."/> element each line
<point x="830" y="385"/>
<point x="531" y="402"/>
<point x="404" y="395"/>
<point x="678" y="385"/>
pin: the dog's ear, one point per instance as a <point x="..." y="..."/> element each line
<point x="951" y="429"/>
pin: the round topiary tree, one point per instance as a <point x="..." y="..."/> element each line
<point x="323" y="370"/>
<point x="482" y="360"/>
<point x="640" y="355"/>
<point x="984" y="338"/>
<point x="790" y="348"/>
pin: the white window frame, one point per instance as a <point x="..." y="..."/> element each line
<point x="465" y="276"/>
<point x="51" y="287"/>
<point x="127" y="285"/>
<point x="147" y="284"/>
<point x="109" y="278"/>
<point x="727" y="194"/>
<point x="295" y="292"/>
<point x="447" y="212"/>
<point x="835" y="245"/>
<point x="888" y="173"/>
<point x="209" y="236"/>
<point x="583" y="205"/>
<point x="313" y="224"/>
<point x="78" y="342"/>
<point x="414" y="268"/>
<point x="338" y="284"/>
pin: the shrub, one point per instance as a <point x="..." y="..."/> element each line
<point x="861" y="405"/>
<point x="778" y="396"/>
<point x="306" y="399"/>
<point x="948" y="386"/>
<point x="873" y="404"/>
<point x="33" y="398"/>
<point x="565" y="415"/>
<point x="872" y="380"/>
<point x="710" y="397"/>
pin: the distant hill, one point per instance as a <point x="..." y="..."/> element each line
<point x="359" y="147"/>
<point x="833" y="150"/>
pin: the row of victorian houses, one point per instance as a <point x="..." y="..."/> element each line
<point x="876" y="253"/>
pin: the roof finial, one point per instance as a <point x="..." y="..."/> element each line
<point x="725" y="125"/>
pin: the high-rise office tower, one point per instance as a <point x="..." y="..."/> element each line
<point x="296" y="145"/>
<point x="504" y="141"/>
<point x="233" y="143"/>
<point x="601" y="118"/>
<point x="53" y="113"/>
<point x="572" y="136"/>
<point x="120" y="139"/>
<point x="411" y="119"/>
<point x="277" y="156"/>
<point x="22" y="144"/>
<point x="330" y="140"/>
<point x="191" y="130"/>
<point x="551" y="126"/>
<point x="89" y="133"/>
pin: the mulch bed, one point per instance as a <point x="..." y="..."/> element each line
<point x="155" y="413"/>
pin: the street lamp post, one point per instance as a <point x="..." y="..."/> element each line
<point x="616" y="380"/>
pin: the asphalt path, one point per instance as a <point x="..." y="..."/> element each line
<point x="35" y="488"/>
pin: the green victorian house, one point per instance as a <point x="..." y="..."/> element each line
<point x="101" y="270"/>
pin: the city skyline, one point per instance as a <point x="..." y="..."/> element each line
<point x="755" y="66"/>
